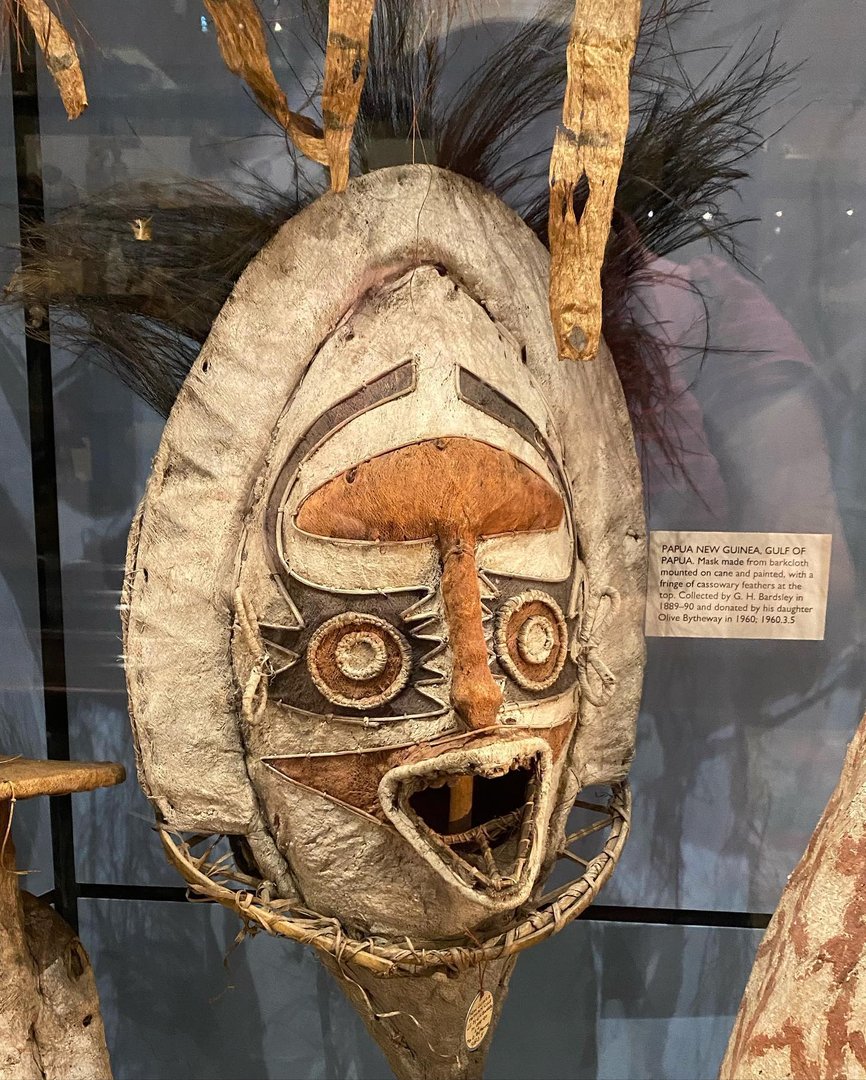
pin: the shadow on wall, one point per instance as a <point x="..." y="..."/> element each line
<point x="22" y="718"/>
<point x="730" y="772"/>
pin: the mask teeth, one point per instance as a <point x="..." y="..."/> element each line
<point x="490" y="863"/>
<point x="527" y="826"/>
<point x="490" y="831"/>
<point x="479" y="867"/>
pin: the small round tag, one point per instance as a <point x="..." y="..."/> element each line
<point x="478" y="1019"/>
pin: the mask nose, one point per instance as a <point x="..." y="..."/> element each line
<point x="475" y="695"/>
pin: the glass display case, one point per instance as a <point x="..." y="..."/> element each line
<point x="740" y="740"/>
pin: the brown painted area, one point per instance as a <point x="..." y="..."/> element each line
<point x="474" y="695"/>
<point x="845" y="952"/>
<point x="353" y="777"/>
<point x="455" y="491"/>
<point x="350" y="778"/>
<point x="359" y="689"/>
<point x="767" y="954"/>
<point x="437" y="488"/>
<point x="791" y="1038"/>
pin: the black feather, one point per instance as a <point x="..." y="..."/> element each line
<point x="145" y="308"/>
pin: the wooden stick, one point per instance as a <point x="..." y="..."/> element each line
<point x="60" y="54"/>
<point x="460" y="804"/>
<point x="345" y="71"/>
<point x="588" y="146"/>
<point x="24" y="778"/>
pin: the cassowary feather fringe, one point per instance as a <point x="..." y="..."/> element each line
<point x="144" y="308"/>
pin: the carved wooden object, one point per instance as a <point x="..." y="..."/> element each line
<point x="803" y="1015"/>
<point x="50" y="1024"/>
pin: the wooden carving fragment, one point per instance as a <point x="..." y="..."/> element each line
<point x="588" y="148"/>
<point x="345" y="71"/>
<point x="19" y="998"/>
<point x="69" y="1029"/>
<point x="60" y="53"/>
<point x="803" y="1014"/>
<point x="241" y="39"/>
<point x="50" y="1024"/>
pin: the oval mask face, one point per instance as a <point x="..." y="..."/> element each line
<point x="425" y="538"/>
<point x="412" y="570"/>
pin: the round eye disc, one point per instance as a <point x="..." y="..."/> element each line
<point x="531" y="639"/>
<point x="361" y="655"/>
<point x="358" y="661"/>
<point x="536" y="639"/>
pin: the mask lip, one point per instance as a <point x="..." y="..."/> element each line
<point x="491" y="756"/>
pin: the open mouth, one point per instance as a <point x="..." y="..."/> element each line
<point x="476" y="812"/>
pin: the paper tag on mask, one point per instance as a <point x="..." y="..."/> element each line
<point x="738" y="585"/>
<point x="478" y="1019"/>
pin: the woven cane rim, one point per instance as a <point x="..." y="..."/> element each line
<point x="251" y="901"/>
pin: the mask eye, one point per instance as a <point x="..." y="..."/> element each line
<point x="531" y="639"/>
<point x="358" y="661"/>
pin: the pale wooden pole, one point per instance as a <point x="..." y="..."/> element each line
<point x="803" y="1015"/>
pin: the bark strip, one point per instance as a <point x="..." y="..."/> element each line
<point x="61" y="56"/>
<point x="588" y="148"/>
<point x="345" y="71"/>
<point x="241" y="38"/>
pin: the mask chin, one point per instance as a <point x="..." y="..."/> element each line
<point x="495" y="852"/>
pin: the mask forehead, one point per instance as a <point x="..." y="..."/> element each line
<point x="402" y="385"/>
<point x="442" y="345"/>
